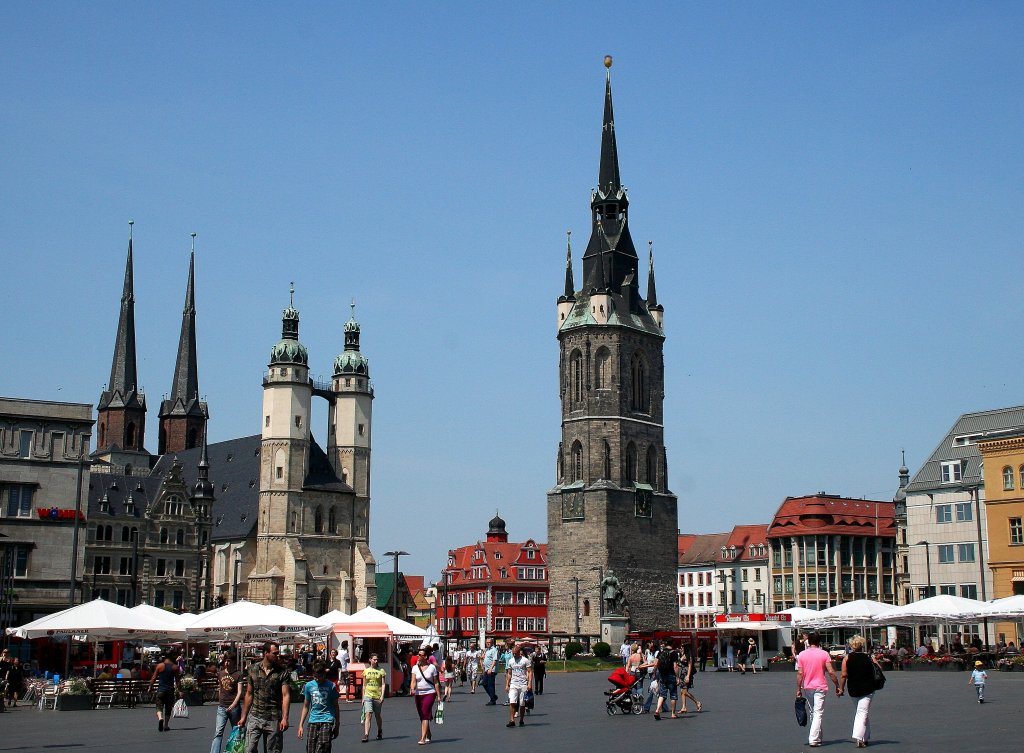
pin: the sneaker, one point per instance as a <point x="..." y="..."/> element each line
<point x="380" y="734"/>
<point x="510" y="724"/>
<point x="491" y="703"/>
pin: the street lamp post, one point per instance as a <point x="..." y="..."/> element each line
<point x="928" y="566"/>
<point x="576" y="603"/>
<point x="394" y="602"/>
<point x="234" y="581"/>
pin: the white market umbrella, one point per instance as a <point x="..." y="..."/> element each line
<point x="98" y="620"/>
<point x="246" y="620"/>
<point x="160" y="615"/>
<point x="941" y="608"/>
<point x="849" y="613"/>
<point x="1007" y="608"/>
<point x="431" y="636"/>
<point x="399" y="627"/>
<point x="335" y="616"/>
<point x="799" y="613"/>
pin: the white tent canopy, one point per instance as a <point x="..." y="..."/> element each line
<point x="941" y="608"/>
<point x="162" y="615"/>
<point x="98" y="620"/>
<point x="246" y="620"/>
<point x="400" y="628"/>
<point x="849" y="613"/>
<point x="1008" y="608"/>
<point x="799" y="613"/>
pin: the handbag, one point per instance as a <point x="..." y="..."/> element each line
<point x="180" y="710"/>
<point x="528" y="699"/>
<point x="879" y="676"/>
<point x="439" y="713"/>
<point x="236" y="741"/>
<point x="800" y="707"/>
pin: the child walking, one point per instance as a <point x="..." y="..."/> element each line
<point x="978" y="677"/>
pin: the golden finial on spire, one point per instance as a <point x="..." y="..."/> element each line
<point x="607" y="61"/>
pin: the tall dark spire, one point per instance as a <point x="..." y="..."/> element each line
<point x="185" y="385"/>
<point x="203" y="488"/>
<point x="610" y="253"/>
<point x="652" y="292"/>
<point x="570" y="288"/>
<point x="182" y="414"/>
<point x="123" y="374"/>
<point x="122" y="406"/>
<point x="608" y="180"/>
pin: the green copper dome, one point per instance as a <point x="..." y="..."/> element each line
<point x="351" y="362"/>
<point x="289" y="351"/>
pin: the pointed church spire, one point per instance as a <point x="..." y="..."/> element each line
<point x="203" y="488"/>
<point x="182" y="415"/>
<point x="123" y="375"/>
<point x="652" y="292"/>
<point x="570" y="288"/>
<point x="608" y="182"/>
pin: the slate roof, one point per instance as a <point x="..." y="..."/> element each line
<point x="960" y="443"/>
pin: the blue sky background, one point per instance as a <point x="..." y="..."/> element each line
<point x="834" y="192"/>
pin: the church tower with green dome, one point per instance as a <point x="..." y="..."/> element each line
<point x="350" y="417"/>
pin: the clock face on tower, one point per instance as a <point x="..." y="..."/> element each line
<point x="643" y="503"/>
<point x="572" y="505"/>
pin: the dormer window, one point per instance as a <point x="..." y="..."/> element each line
<point x="497" y="555"/>
<point x="952" y="471"/>
<point x="531" y="554"/>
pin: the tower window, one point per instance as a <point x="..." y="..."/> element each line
<point x="332" y="524"/>
<point x="602" y="369"/>
<point x="26" y="444"/>
<point x="652" y="466"/>
<point x="361" y="429"/>
<point x="630" y="470"/>
<point x="280" y="472"/>
<point x="284" y="372"/>
<point x="129" y="436"/>
<point x="298" y="422"/>
<point x="607" y="461"/>
<point x="638" y="385"/>
<point x="318" y="520"/>
<point x="577" y="462"/>
<point x="266" y="420"/>
<point x="576" y="375"/>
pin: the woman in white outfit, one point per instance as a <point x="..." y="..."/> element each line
<point x="859" y="672"/>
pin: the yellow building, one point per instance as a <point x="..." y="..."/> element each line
<point x="1003" y="458"/>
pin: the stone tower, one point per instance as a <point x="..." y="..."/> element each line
<point x="350" y="415"/>
<point x="183" y="415"/>
<point x="611" y="508"/>
<point x="121" y="411"/>
<point x="284" y="461"/>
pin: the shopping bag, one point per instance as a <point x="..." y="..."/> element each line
<point x="439" y="713"/>
<point x="800" y="707"/>
<point x="528" y="699"/>
<point x="180" y="710"/>
<point x="236" y="741"/>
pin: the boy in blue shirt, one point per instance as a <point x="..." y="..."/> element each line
<point x="978" y="677"/>
<point x="320" y="707"/>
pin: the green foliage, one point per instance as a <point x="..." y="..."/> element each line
<point x="76" y="686"/>
<point x="602" y="649"/>
<point x="572" y="648"/>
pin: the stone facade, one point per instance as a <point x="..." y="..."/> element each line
<point x="44" y="450"/>
<point x="611" y="508"/>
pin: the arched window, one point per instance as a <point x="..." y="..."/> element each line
<point x="652" y="466"/>
<point x="603" y="369"/>
<point x="586" y="607"/>
<point x="607" y="469"/>
<point x="1022" y="477"/>
<point x="576" y="375"/>
<point x="190" y="442"/>
<point x="179" y="537"/>
<point x="125" y="533"/>
<point x="577" y="461"/>
<point x="1007" y="478"/>
<point x="294" y="522"/>
<point x="103" y="434"/>
<point x="332" y="522"/>
<point x="318" y="520"/>
<point x="629" y="476"/>
<point x="129" y="436"/>
<point x="638" y="384"/>
<point x="325" y="602"/>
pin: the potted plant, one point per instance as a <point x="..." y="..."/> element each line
<point x="190" y="690"/>
<point x="74" y="696"/>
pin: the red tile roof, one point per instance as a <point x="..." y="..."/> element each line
<point x="829" y="514"/>
<point x="496" y="555"/>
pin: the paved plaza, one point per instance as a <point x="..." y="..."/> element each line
<point x="924" y="711"/>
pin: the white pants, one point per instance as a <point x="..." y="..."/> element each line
<point x="861" y="723"/>
<point x="816" y="699"/>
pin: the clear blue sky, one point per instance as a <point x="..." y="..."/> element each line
<point x="834" y="192"/>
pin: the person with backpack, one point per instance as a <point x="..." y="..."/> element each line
<point x="667" y="669"/>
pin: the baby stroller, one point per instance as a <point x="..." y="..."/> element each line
<point x="627" y="696"/>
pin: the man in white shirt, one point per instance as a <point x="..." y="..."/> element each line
<point x="518" y="679"/>
<point x="473" y="657"/>
<point x="490" y="670"/>
<point x="624" y="652"/>
<point x="343" y="658"/>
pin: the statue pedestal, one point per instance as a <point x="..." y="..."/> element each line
<point x="613" y="630"/>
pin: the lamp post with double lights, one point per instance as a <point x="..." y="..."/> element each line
<point x="394" y="601"/>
